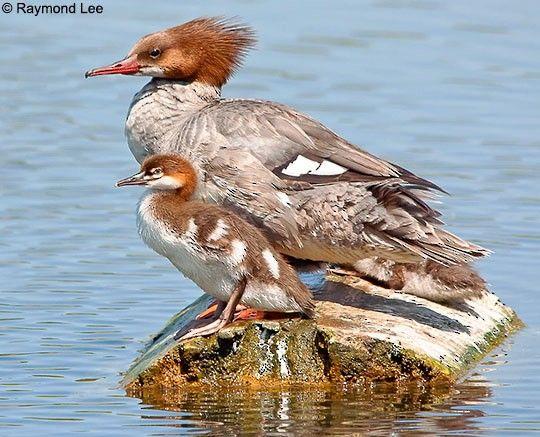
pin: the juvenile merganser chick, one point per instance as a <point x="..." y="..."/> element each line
<point x="224" y="255"/>
<point x="429" y="280"/>
<point x="315" y="195"/>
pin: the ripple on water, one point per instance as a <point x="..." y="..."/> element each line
<point x="449" y="90"/>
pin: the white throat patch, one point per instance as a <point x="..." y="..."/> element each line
<point x="164" y="183"/>
<point x="153" y="71"/>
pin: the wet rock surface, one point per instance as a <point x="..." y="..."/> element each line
<point x="361" y="333"/>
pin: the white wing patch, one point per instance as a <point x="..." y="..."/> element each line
<point x="220" y="231"/>
<point x="271" y="262"/>
<point x="328" y="168"/>
<point x="238" y="252"/>
<point x="191" y="231"/>
<point x="302" y="166"/>
<point x="284" y="198"/>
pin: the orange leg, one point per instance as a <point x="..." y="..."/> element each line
<point x="208" y="312"/>
<point x="242" y="312"/>
<point x="224" y="316"/>
<point x="211" y="310"/>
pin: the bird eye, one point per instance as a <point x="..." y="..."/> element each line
<point x="156" y="171"/>
<point x="154" y="53"/>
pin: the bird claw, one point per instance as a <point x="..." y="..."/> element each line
<point x="202" y="331"/>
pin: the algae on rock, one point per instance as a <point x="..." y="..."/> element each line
<point x="361" y="332"/>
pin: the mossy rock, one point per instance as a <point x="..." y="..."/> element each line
<point x="361" y="333"/>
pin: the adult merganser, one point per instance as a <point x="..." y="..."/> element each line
<point x="315" y="195"/>
<point x="224" y="255"/>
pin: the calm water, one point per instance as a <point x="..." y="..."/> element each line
<point x="450" y="90"/>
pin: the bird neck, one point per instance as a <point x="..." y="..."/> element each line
<point x="159" y="107"/>
<point x="173" y="197"/>
<point x="172" y="91"/>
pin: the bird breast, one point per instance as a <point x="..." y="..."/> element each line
<point x="183" y="251"/>
<point x="217" y="275"/>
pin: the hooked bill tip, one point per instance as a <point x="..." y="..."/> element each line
<point x="89" y="73"/>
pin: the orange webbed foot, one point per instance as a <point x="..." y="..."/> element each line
<point x="208" y="312"/>
<point x="249" y="314"/>
<point x="242" y="313"/>
<point x="252" y="314"/>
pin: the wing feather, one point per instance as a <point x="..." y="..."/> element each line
<point x="239" y="181"/>
<point x="247" y="145"/>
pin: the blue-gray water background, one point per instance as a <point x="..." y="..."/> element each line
<point x="448" y="89"/>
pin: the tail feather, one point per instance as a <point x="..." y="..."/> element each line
<point x="453" y="249"/>
<point x="412" y="224"/>
<point x="442" y="247"/>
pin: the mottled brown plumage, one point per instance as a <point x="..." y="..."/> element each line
<point x="206" y="216"/>
<point x="429" y="280"/>
<point x="226" y="256"/>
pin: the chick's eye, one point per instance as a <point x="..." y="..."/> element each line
<point x="154" y="53"/>
<point x="156" y="171"/>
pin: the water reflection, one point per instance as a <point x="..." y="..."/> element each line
<point x="337" y="410"/>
